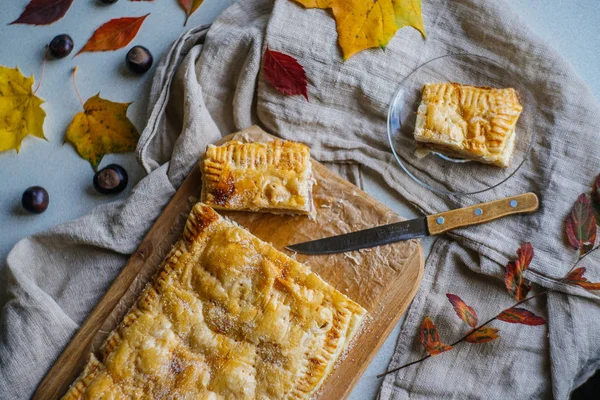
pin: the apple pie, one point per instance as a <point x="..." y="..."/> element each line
<point x="272" y="177"/>
<point x="469" y="122"/>
<point x="226" y="317"/>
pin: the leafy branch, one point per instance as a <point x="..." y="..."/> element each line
<point x="581" y="227"/>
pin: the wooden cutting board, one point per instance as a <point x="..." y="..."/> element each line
<point x="383" y="280"/>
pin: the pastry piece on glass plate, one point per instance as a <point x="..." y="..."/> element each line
<point x="273" y="177"/>
<point x="227" y="316"/>
<point x="469" y="122"/>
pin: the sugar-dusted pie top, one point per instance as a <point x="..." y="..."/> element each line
<point x="468" y="121"/>
<point x="274" y="176"/>
<point x="226" y="317"/>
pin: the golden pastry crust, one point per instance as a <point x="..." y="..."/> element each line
<point x="271" y="177"/>
<point x="227" y="316"/>
<point x="476" y="123"/>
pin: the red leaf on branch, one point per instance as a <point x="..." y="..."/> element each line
<point x="483" y="335"/>
<point x="516" y="315"/>
<point x="576" y="277"/>
<point x="596" y="199"/>
<point x="114" y="34"/>
<point x="463" y="311"/>
<point x="43" y="12"/>
<point x="189" y="6"/>
<point x="430" y="338"/>
<point x="284" y="73"/>
<point x="581" y="225"/>
<point x="513" y="278"/>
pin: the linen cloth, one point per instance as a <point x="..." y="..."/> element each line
<point x="210" y="84"/>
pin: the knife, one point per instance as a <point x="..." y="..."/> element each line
<point x="420" y="227"/>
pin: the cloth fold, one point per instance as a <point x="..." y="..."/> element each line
<point x="210" y="84"/>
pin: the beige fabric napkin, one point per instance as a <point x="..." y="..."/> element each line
<point x="210" y="84"/>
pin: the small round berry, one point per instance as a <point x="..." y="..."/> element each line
<point x="111" y="179"/>
<point x="35" y="199"/>
<point x="139" y="59"/>
<point x="61" y="46"/>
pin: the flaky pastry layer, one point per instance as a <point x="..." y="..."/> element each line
<point x="226" y="317"/>
<point x="270" y="177"/>
<point x="475" y="123"/>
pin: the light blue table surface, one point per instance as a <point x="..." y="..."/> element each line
<point x="572" y="26"/>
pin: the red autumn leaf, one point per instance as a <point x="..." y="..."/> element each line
<point x="284" y="73"/>
<point x="430" y="338"/>
<point x="513" y="278"/>
<point x="483" y="335"/>
<point x="463" y="311"/>
<point x="189" y="6"/>
<point x="516" y="315"/>
<point x="581" y="225"/>
<point x="576" y="277"/>
<point x="596" y="199"/>
<point x="43" y="12"/>
<point x="114" y="34"/>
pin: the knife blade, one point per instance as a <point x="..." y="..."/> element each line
<point x="419" y="227"/>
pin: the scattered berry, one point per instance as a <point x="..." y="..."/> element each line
<point x="35" y="199"/>
<point x="111" y="179"/>
<point x="109" y="1"/>
<point x="61" y="46"/>
<point x="139" y="59"/>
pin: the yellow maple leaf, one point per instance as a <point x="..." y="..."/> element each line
<point x="362" y="24"/>
<point x="20" y="111"/>
<point x="102" y="128"/>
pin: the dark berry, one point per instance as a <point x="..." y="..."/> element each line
<point x="109" y="1"/>
<point x="35" y="199"/>
<point x="61" y="46"/>
<point x="139" y="59"/>
<point x="111" y="179"/>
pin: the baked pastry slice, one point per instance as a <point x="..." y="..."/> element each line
<point x="475" y="123"/>
<point x="272" y="177"/>
<point x="226" y="317"/>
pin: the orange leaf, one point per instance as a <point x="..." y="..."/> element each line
<point x="114" y="34"/>
<point x="576" y="277"/>
<point x="581" y="225"/>
<point x="430" y="338"/>
<point x="483" y="335"/>
<point x="513" y="278"/>
<point x="284" y="73"/>
<point x="516" y="315"/>
<point x="189" y="6"/>
<point x="463" y="311"/>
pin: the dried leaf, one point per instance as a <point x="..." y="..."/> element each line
<point x="284" y="73"/>
<point x="516" y="315"/>
<point x="189" y="6"/>
<point x="114" y="34"/>
<point x="483" y="335"/>
<point x="576" y="277"/>
<point x="43" y="12"/>
<point x="364" y="24"/>
<point x="581" y="225"/>
<point x="430" y="338"/>
<point x="596" y="199"/>
<point x="513" y="278"/>
<point x="21" y="113"/>
<point x="102" y="128"/>
<point x="463" y="311"/>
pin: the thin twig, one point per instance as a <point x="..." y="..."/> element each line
<point x="75" y="86"/>
<point x="43" y="70"/>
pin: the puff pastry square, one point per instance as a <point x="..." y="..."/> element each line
<point x="226" y="317"/>
<point x="475" y="123"/>
<point x="272" y="177"/>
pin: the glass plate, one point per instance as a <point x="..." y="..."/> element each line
<point x="444" y="174"/>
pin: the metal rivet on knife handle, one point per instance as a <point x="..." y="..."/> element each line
<point x="513" y="203"/>
<point x="478" y="211"/>
<point x="440" y="220"/>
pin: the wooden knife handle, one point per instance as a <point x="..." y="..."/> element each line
<point x="480" y="213"/>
